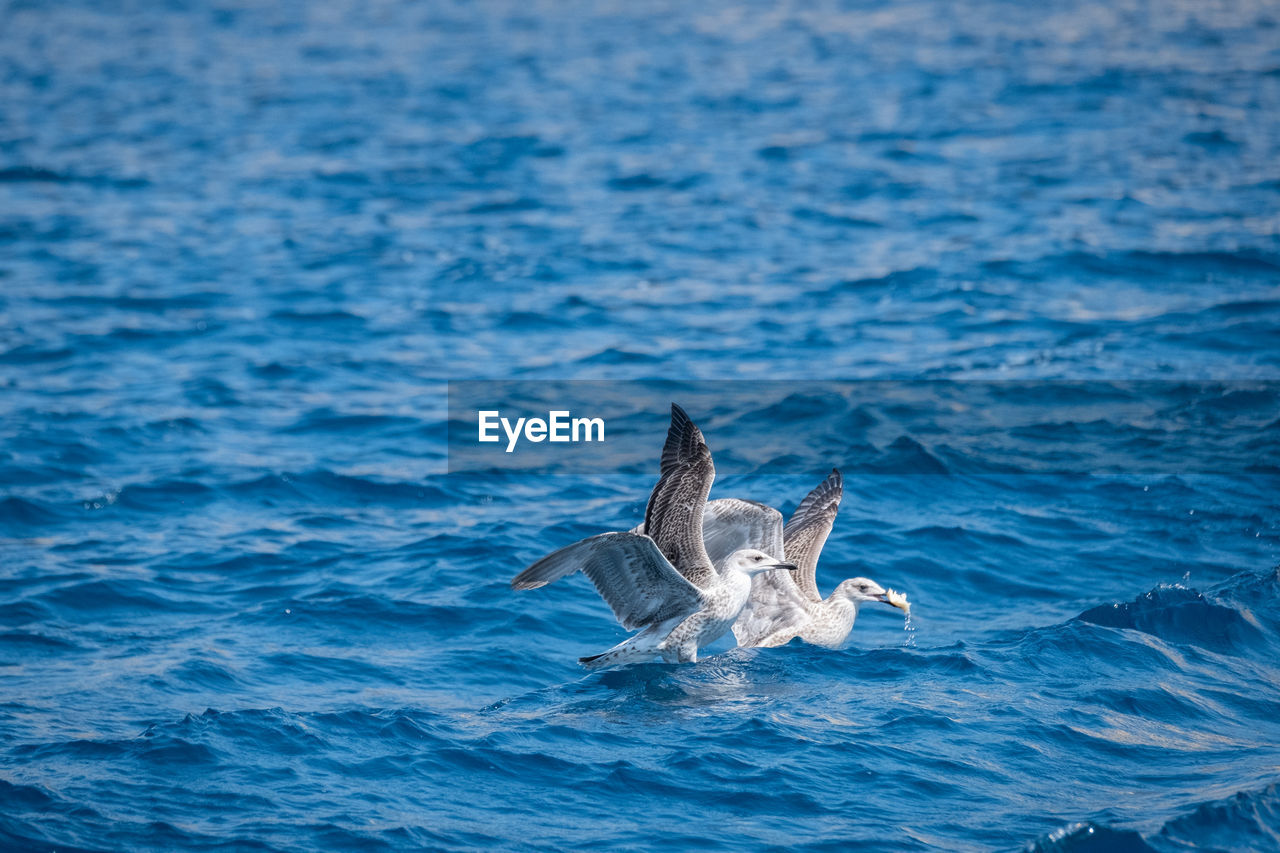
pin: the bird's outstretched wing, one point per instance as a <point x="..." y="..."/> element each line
<point x="673" y="518"/>
<point x="731" y="524"/>
<point x="630" y="573"/>
<point x="807" y="532"/>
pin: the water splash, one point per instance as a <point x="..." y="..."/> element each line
<point x="909" y="626"/>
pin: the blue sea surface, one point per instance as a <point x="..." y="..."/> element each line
<point x="245" y="247"/>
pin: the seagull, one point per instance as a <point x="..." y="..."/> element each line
<point x="786" y="606"/>
<point x="662" y="581"/>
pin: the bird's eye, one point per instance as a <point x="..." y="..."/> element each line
<point x="862" y="587"/>
<point x="757" y="558"/>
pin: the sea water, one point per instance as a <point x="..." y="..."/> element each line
<point x="244" y="247"/>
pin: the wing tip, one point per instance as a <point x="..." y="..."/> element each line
<point x="820" y="505"/>
<point x="559" y="563"/>
<point x="524" y="581"/>
<point x="518" y="584"/>
<point x="683" y="424"/>
<point x="684" y="439"/>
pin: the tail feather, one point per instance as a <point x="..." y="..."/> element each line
<point x="641" y="647"/>
<point x="616" y="657"/>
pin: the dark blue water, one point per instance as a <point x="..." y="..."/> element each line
<point x="242" y="250"/>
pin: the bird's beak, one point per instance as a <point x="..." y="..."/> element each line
<point x="791" y="567"/>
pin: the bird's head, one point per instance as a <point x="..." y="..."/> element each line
<point x="858" y="590"/>
<point x="749" y="561"/>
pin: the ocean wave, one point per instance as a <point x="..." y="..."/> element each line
<point x="1245" y="821"/>
<point x="1214" y="621"/>
<point x="1090" y="838"/>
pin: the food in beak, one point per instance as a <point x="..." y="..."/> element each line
<point x="898" y="600"/>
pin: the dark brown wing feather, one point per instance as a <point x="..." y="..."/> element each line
<point x="807" y="532"/>
<point x="673" y="518"/>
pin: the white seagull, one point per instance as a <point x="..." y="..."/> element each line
<point x="662" y="581"/>
<point x="789" y="605"/>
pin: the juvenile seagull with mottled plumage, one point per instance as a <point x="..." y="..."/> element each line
<point x="662" y="581"/>
<point x="786" y="606"/>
